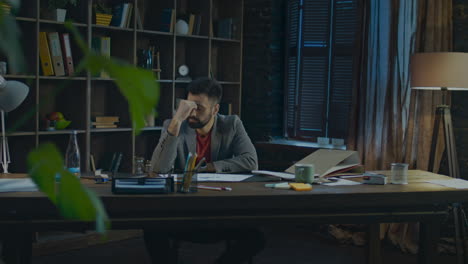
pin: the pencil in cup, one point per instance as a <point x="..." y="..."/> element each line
<point x="189" y="182"/>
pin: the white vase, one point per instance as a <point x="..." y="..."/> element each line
<point x="60" y="14"/>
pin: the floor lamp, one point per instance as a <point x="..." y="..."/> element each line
<point x="12" y="94"/>
<point x="444" y="71"/>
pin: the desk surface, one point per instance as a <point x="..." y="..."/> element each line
<point x="252" y="198"/>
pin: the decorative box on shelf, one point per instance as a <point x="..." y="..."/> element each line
<point x="103" y="19"/>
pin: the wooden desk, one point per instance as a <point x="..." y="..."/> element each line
<point x="251" y="204"/>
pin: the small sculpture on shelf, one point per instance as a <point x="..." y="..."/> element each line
<point x="102" y="13"/>
<point x="56" y="121"/>
<point x="57" y="7"/>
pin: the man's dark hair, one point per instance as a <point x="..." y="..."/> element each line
<point x="205" y="85"/>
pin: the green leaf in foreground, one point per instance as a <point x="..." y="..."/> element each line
<point x="73" y="200"/>
<point x="139" y="86"/>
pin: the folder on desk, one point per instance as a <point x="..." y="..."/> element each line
<point x="56" y="53"/>
<point x="44" y="55"/>
<point x="328" y="161"/>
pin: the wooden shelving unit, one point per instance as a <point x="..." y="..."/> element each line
<point x="83" y="96"/>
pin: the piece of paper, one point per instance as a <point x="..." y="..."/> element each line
<point x="341" y="182"/>
<point x="327" y="161"/>
<point x="283" y="175"/>
<point x="219" y="177"/>
<point x="17" y="185"/>
<point x="452" y="183"/>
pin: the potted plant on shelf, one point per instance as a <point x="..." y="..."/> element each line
<point x="58" y="8"/>
<point x="102" y="13"/>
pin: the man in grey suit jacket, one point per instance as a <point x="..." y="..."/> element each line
<point x="230" y="148"/>
<point x="198" y="128"/>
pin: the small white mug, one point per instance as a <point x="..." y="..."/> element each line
<point x="304" y="173"/>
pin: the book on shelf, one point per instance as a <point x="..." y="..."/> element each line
<point x="44" y="55"/>
<point x="117" y="14"/>
<point x="121" y="15"/>
<point x="191" y="24"/>
<point x="225" y="108"/>
<point x="197" y="26"/>
<point x="56" y="53"/>
<point x="106" y="119"/>
<point x="128" y="15"/>
<point x="105" y="126"/>
<point x="67" y="53"/>
<point x="102" y="45"/>
<point x="139" y="18"/>
<point x="228" y="28"/>
<point x="168" y="18"/>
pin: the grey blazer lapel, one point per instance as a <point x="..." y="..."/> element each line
<point x="215" y="140"/>
<point x="191" y="139"/>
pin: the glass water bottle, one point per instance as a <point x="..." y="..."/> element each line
<point x="72" y="156"/>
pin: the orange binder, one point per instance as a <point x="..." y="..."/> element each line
<point x="44" y="54"/>
<point x="56" y="53"/>
<point x="67" y="54"/>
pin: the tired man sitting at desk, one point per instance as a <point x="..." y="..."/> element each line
<point x="198" y="128"/>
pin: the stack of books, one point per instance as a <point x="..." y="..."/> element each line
<point x="105" y="122"/>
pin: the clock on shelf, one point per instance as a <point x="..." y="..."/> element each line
<point x="183" y="71"/>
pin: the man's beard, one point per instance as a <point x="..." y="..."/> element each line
<point x="198" y="124"/>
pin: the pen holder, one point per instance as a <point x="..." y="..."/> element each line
<point x="188" y="182"/>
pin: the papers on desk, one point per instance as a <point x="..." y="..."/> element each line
<point x="18" y="185"/>
<point x="341" y="182"/>
<point x="218" y="177"/>
<point x="452" y="183"/>
<point x="283" y="175"/>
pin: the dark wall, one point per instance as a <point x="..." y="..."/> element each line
<point x="459" y="99"/>
<point x="262" y="92"/>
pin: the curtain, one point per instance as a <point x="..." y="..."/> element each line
<point x="382" y="96"/>
<point x="391" y="122"/>
<point x="434" y="33"/>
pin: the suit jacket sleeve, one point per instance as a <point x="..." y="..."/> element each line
<point x="165" y="153"/>
<point x="244" y="153"/>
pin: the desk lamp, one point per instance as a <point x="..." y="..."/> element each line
<point x="443" y="71"/>
<point x="12" y="94"/>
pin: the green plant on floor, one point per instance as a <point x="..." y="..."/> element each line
<point x="139" y="87"/>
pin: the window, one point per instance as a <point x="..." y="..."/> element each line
<point x="319" y="67"/>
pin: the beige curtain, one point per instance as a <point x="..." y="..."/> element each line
<point x="434" y="33"/>
<point x="391" y="122"/>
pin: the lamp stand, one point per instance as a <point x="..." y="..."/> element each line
<point x="443" y="116"/>
<point x="4" y="145"/>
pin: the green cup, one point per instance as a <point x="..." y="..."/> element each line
<point x="304" y="173"/>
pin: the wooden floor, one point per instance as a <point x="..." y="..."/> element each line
<point x="289" y="245"/>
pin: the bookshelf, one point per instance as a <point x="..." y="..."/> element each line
<point x="208" y="51"/>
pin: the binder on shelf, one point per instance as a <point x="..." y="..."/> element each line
<point x="67" y="54"/>
<point x="56" y="53"/>
<point x="44" y="54"/>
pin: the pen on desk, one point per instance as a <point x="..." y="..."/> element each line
<point x="212" y="188"/>
<point x="199" y="164"/>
